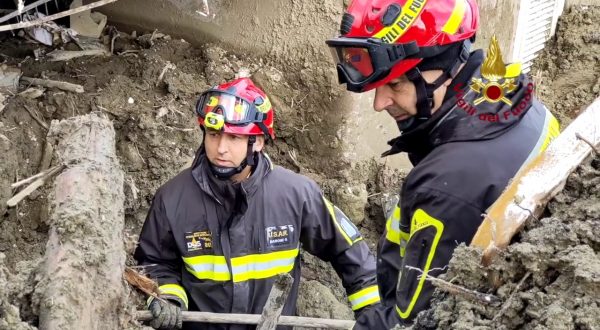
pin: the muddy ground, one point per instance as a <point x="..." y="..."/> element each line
<point x="156" y="136"/>
<point x="567" y="72"/>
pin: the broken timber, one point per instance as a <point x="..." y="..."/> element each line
<point x="53" y="83"/>
<point x="81" y="276"/>
<point x="534" y="185"/>
<point x="297" y="321"/>
<point x="275" y="301"/>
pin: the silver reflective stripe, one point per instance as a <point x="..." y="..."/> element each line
<point x="262" y="266"/>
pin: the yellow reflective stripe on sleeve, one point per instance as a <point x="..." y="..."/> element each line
<point x="392" y="226"/>
<point x="422" y="220"/>
<point x="393" y="233"/>
<point x="208" y="267"/>
<point x="364" y="297"/>
<point x="257" y="266"/>
<point x="174" y="290"/>
<point x="456" y="17"/>
<point x="248" y="267"/>
<point x="410" y="12"/>
<point x="331" y="210"/>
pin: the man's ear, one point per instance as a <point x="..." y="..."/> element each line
<point x="259" y="144"/>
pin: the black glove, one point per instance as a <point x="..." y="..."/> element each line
<point x="166" y="315"/>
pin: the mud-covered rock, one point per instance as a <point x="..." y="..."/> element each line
<point x="317" y="300"/>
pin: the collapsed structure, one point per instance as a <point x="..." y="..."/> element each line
<point x="147" y="88"/>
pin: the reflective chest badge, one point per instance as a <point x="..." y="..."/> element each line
<point x="279" y="235"/>
<point x="198" y="241"/>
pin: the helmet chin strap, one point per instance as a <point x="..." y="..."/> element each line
<point x="225" y="173"/>
<point x="425" y="90"/>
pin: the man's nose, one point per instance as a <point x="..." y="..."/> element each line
<point x="222" y="146"/>
<point x="382" y="99"/>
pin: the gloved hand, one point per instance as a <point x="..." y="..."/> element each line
<point x="166" y="315"/>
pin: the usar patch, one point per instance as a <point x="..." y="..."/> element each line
<point x="279" y="235"/>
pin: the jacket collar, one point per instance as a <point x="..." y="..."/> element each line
<point x="458" y="119"/>
<point x="201" y="172"/>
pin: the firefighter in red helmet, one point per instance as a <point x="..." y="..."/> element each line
<point x="464" y="145"/>
<point x="219" y="233"/>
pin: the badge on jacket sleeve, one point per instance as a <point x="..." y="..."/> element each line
<point x="279" y="235"/>
<point x="198" y="240"/>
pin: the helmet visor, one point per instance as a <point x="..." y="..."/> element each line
<point x="234" y="110"/>
<point x="355" y="61"/>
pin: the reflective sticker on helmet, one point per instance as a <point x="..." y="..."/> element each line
<point x="213" y="101"/>
<point x="263" y="106"/>
<point x="410" y="12"/>
<point x="238" y="108"/>
<point x="214" y="121"/>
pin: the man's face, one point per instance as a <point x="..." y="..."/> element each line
<point x="399" y="96"/>
<point x="228" y="150"/>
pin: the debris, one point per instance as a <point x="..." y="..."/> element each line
<point x="130" y="100"/>
<point x="141" y="282"/>
<point x="162" y="111"/>
<point x="32" y="114"/>
<point x="86" y="207"/>
<point x="55" y="16"/>
<point x="87" y="23"/>
<point x="274" y="305"/>
<point x="65" y="55"/>
<point x="168" y="66"/>
<point x="19" y="12"/>
<point x="2" y="99"/>
<point x="40" y="180"/>
<point x="533" y="186"/>
<point x="53" y="83"/>
<point x="39" y="34"/>
<point x="9" y="79"/>
<point x="458" y="290"/>
<point x="32" y="93"/>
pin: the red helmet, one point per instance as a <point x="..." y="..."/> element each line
<point x="383" y="39"/>
<point x="236" y="107"/>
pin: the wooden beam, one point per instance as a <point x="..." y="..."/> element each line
<point x="275" y="301"/>
<point x="226" y="318"/>
<point x="538" y="182"/>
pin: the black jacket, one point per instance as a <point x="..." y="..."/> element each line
<point x="463" y="159"/>
<point x="217" y="246"/>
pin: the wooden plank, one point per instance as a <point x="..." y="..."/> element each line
<point x="534" y="185"/>
<point x="275" y="301"/>
<point x="296" y="321"/>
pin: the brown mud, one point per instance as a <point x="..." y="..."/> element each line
<point x="567" y="72"/>
<point x="548" y="279"/>
<point x="157" y="136"/>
